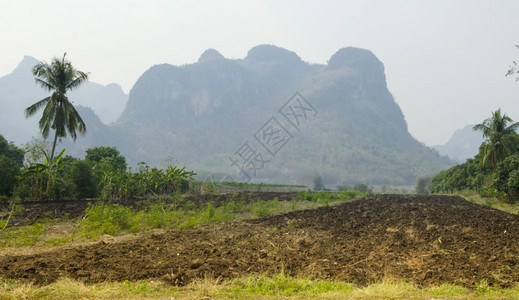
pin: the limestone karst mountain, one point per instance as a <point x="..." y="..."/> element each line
<point x="207" y="114"/>
<point x="269" y="117"/>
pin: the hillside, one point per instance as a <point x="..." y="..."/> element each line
<point x="201" y="114"/>
<point x="463" y="144"/>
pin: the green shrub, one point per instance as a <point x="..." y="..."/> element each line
<point x="109" y="219"/>
<point x="82" y="177"/>
<point x="9" y="171"/>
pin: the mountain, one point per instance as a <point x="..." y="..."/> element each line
<point x="217" y="113"/>
<point x="18" y="90"/>
<point x="269" y="117"/>
<point x="463" y="144"/>
<point x="107" y="101"/>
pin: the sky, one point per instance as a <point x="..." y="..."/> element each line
<point x="445" y="60"/>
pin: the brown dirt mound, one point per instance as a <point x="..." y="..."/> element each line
<point x="427" y="240"/>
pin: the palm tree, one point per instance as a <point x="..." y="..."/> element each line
<point x="495" y="129"/>
<point x="59" y="114"/>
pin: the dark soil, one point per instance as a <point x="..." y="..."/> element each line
<point x="427" y="240"/>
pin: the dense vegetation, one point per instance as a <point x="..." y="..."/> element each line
<point x="494" y="171"/>
<point x="102" y="174"/>
<point x="11" y="161"/>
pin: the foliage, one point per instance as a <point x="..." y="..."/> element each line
<point x="116" y="184"/>
<point x="175" y="212"/>
<point x="9" y="171"/>
<point x="495" y="129"/>
<point x="469" y="175"/>
<point x="11" y="151"/>
<point x="423" y="186"/>
<point x="327" y="197"/>
<point x="507" y="181"/>
<point x="11" y="160"/>
<point x="361" y="187"/>
<point x="318" y="183"/>
<point x="105" y="154"/>
<point x="102" y="174"/>
<point x="514" y="68"/>
<point x="46" y="180"/>
<point x="81" y="176"/>
<point x="58" y="112"/>
<point x="108" y="219"/>
<point x="491" y="172"/>
<point x="34" y="150"/>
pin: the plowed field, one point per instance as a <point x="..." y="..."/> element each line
<point x="427" y="240"/>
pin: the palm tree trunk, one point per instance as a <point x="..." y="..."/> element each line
<point x="53" y="147"/>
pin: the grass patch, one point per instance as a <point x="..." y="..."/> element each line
<point x="283" y="286"/>
<point x="250" y="287"/>
<point x="177" y="213"/>
<point x="474" y="197"/>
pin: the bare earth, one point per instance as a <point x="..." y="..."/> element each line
<point x="427" y="240"/>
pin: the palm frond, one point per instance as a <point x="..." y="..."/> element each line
<point x="44" y="84"/>
<point x="31" y="110"/>
<point x="79" y="78"/>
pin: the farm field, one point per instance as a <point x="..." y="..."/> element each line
<point x="426" y="241"/>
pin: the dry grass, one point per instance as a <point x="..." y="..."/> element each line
<point x="251" y="287"/>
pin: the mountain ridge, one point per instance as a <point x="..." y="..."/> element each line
<point x="202" y="115"/>
<point x="221" y="103"/>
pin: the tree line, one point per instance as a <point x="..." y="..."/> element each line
<point x="494" y="171"/>
<point x="103" y="174"/>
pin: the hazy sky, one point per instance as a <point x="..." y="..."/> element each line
<point x="445" y="60"/>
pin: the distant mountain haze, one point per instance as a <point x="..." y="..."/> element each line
<point x="205" y="114"/>
<point x="463" y="144"/>
<point x="202" y="113"/>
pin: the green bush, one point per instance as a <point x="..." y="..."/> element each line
<point x="11" y="161"/>
<point x="83" y="180"/>
<point x="109" y="219"/>
<point x="507" y="178"/>
<point x="108" y="155"/>
<point x="9" y="171"/>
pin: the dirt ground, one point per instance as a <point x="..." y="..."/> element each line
<point x="427" y="240"/>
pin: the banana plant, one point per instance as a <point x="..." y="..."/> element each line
<point x="45" y="177"/>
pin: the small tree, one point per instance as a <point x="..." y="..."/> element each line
<point x="82" y="177"/>
<point x="361" y="187"/>
<point x="422" y="186"/>
<point x="318" y="183"/>
<point x="108" y="155"/>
